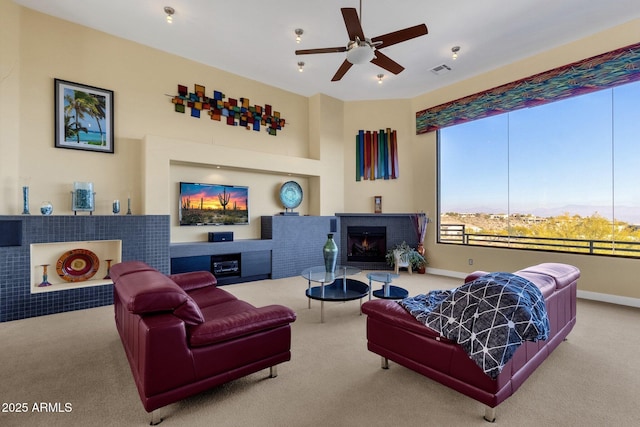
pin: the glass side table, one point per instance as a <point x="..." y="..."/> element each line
<point x="388" y="290"/>
<point x="334" y="286"/>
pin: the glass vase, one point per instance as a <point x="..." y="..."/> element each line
<point x="330" y="253"/>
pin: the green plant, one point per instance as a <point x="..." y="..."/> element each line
<point x="417" y="261"/>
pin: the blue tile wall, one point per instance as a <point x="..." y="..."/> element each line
<point x="297" y="242"/>
<point x="144" y="238"/>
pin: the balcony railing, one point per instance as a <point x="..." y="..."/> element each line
<point x="456" y="234"/>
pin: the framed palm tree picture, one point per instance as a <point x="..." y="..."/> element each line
<point x="83" y="117"/>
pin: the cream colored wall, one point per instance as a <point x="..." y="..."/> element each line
<point x="10" y="101"/>
<point x="397" y="194"/>
<point x="600" y="275"/>
<point x="156" y="147"/>
<point x="264" y="190"/>
<point x="167" y="161"/>
<point x="41" y="48"/>
<point x="326" y="125"/>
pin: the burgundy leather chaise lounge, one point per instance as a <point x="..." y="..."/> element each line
<point x="396" y="335"/>
<point x="183" y="335"/>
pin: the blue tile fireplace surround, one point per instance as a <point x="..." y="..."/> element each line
<point x="144" y="237"/>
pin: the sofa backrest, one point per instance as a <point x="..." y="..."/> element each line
<point x="548" y="277"/>
<point x="146" y="291"/>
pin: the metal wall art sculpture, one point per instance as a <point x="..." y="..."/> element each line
<point x="236" y="112"/>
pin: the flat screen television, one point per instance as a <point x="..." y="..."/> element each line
<point x="213" y="204"/>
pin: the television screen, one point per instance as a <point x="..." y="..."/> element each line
<point x="213" y="204"/>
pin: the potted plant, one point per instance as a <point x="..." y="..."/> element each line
<point x="417" y="261"/>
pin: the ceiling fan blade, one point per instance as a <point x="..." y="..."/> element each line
<point x="321" y="50"/>
<point x="400" y="36"/>
<point x="342" y="71"/>
<point x="382" y="60"/>
<point x="352" y="22"/>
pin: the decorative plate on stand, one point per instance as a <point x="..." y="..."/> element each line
<point x="290" y="196"/>
<point x="77" y="265"/>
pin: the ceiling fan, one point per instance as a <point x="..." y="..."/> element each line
<point x="361" y="49"/>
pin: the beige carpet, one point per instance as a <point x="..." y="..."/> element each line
<point x="593" y="379"/>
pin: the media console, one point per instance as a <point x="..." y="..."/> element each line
<point x="231" y="262"/>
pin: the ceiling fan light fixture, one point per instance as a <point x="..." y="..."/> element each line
<point x="299" y="32"/>
<point x="301" y="66"/>
<point x="169" y="11"/>
<point x="455" y="51"/>
<point x="380" y="77"/>
<point x="360" y="54"/>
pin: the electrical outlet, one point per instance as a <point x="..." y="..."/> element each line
<point x="470" y="261"/>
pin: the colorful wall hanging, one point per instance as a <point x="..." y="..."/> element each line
<point x="236" y="112"/>
<point x="599" y="72"/>
<point x="377" y="155"/>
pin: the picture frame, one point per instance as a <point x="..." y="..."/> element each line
<point x="377" y="204"/>
<point x="83" y="117"/>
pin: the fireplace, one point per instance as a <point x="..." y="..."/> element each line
<point x="366" y="244"/>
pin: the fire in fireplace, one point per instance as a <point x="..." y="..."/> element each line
<point x="366" y="244"/>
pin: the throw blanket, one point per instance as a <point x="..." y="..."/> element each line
<point x="489" y="317"/>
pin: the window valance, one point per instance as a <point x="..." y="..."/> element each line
<point x="599" y="72"/>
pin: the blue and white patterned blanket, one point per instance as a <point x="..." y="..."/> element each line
<point x="489" y="317"/>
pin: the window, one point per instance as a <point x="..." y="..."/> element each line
<point x="561" y="176"/>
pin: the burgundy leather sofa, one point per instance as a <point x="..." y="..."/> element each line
<point x="183" y="335"/>
<point x="396" y="335"/>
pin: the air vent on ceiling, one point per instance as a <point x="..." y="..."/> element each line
<point x="441" y="69"/>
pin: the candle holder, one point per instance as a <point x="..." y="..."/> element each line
<point x="45" y="281"/>
<point x="108" y="276"/>
<point x="83" y="197"/>
<point x="129" y="206"/>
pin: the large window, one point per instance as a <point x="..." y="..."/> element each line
<point x="562" y="176"/>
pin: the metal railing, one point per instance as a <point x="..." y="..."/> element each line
<point x="456" y="234"/>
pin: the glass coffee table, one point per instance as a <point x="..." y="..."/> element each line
<point x="334" y="286"/>
<point x="388" y="290"/>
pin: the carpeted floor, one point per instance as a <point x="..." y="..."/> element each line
<point x="74" y="364"/>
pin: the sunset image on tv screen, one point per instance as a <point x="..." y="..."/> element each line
<point x="212" y="204"/>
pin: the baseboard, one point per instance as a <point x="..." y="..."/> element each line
<point x="447" y="273"/>
<point x="613" y="299"/>
<point x="595" y="296"/>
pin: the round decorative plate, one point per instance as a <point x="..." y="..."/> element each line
<point x="77" y="265"/>
<point x="291" y="194"/>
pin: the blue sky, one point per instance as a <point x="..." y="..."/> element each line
<point x="554" y="158"/>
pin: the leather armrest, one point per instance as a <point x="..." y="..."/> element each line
<point x="240" y="324"/>
<point x="390" y="312"/>
<point x="473" y="276"/>
<point x="194" y="280"/>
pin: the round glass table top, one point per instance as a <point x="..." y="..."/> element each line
<point x="383" y="277"/>
<point x="320" y="275"/>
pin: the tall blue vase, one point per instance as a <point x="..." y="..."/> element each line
<point x="330" y="252"/>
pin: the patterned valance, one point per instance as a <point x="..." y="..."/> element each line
<point x="599" y="72"/>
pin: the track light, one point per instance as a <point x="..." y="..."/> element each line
<point x="299" y="32"/>
<point x="169" y="11"/>
<point x="455" y="51"/>
<point x="380" y="77"/>
<point x="301" y="66"/>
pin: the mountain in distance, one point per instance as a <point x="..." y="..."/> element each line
<point x="627" y="214"/>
